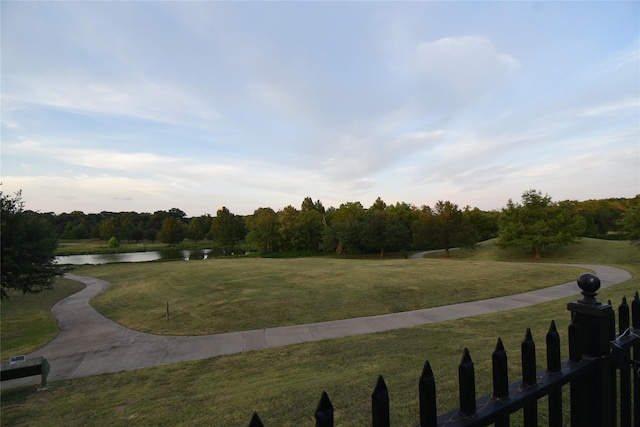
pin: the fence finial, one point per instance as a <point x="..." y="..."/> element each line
<point x="500" y="371"/>
<point x="589" y="283"/>
<point x="427" y="390"/>
<point x="380" y="404"/>
<point x="255" y="421"/>
<point x="324" y="411"/>
<point x="467" y="384"/>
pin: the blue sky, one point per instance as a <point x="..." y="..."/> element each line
<point x="145" y="106"/>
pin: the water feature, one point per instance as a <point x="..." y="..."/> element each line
<point x="95" y="259"/>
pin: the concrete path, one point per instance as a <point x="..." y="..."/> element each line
<point x="90" y="344"/>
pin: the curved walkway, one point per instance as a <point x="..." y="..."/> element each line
<point x="90" y="344"/>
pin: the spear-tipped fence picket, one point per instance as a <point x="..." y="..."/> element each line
<point x="599" y="359"/>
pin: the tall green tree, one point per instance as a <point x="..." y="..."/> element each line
<point x="454" y="229"/>
<point x="171" y="231"/>
<point x="342" y="237"/>
<point x="444" y="226"/>
<point x="601" y="216"/>
<point x="484" y="223"/>
<point x="537" y="223"/>
<point x="310" y="223"/>
<point x="195" y="229"/>
<point x="353" y="211"/>
<point x="381" y="231"/>
<point x="406" y="213"/>
<point x="343" y="229"/>
<point x="110" y="227"/>
<point x="263" y="231"/>
<point x="289" y="228"/>
<point x="28" y="243"/>
<point x="630" y="222"/>
<point x="227" y="229"/>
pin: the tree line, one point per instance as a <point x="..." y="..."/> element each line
<point x="352" y="227"/>
<point x="536" y="223"/>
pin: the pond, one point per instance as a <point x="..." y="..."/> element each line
<point x="95" y="259"/>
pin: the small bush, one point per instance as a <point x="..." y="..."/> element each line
<point x="114" y="243"/>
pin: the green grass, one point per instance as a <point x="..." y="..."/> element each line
<point x="26" y="318"/>
<point x="224" y="295"/>
<point x="284" y="384"/>
<point x="591" y="251"/>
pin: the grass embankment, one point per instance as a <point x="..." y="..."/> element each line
<point x="224" y="295"/>
<point x="284" y="384"/>
<point x="26" y="318"/>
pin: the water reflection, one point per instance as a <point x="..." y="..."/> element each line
<point x="95" y="259"/>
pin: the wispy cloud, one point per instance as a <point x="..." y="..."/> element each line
<point x="465" y="67"/>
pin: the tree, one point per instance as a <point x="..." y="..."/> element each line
<point x="343" y="231"/>
<point x="538" y="223"/>
<point x="114" y="243"/>
<point x="109" y="228"/>
<point x="310" y="223"/>
<point x="444" y="227"/>
<point x="485" y="224"/>
<point x="630" y="223"/>
<point x="381" y="231"/>
<point x="151" y="234"/>
<point x="343" y="237"/>
<point x="226" y="228"/>
<point x="172" y="231"/>
<point x="195" y="229"/>
<point x="289" y="232"/>
<point x="28" y="245"/>
<point x="75" y="226"/>
<point x="601" y="216"/>
<point x="263" y="230"/>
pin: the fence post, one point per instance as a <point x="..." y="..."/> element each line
<point x="500" y="378"/>
<point x="554" y="366"/>
<point x="592" y="396"/>
<point x="427" y="391"/>
<point x="324" y="412"/>
<point x="528" y="349"/>
<point x="467" y="384"/>
<point x="380" y="404"/>
<point x="635" y="322"/>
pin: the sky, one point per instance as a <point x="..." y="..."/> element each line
<point x="146" y="106"/>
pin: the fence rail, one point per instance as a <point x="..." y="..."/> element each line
<point x="599" y="360"/>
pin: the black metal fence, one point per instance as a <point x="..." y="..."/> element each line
<point x="599" y="372"/>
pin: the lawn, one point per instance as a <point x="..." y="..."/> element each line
<point x="26" y="318"/>
<point x="225" y="295"/>
<point x="284" y="384"/>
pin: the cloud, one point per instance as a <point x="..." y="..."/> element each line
<point x="630" y="104"/>
<point x="418" y="140"/>
<point x="468" y="67"/>
<point x="132" y="97"/>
